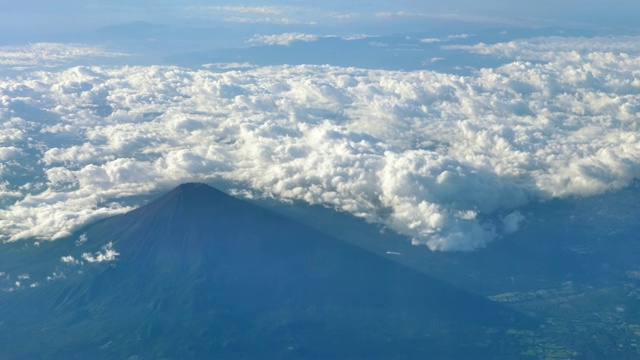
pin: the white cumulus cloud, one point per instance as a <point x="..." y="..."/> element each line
<point x="558" y="48"/>
<point x="437" y="157"/>
<point x="69" y="259"/>
<point x="107" y="253"/>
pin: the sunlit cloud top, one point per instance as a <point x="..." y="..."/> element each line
<point x="445" y="159"/>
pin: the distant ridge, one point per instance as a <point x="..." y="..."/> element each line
<point x="201" y="274"/>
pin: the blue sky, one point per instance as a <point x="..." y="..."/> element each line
<point x="46" y="17"/>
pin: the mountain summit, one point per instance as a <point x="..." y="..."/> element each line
<point x="200" y="274"/>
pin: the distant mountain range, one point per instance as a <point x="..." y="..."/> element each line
<point x="200" y="274"/>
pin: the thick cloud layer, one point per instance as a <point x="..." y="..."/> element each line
<point x="424" y="153"/>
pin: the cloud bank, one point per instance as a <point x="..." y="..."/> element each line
<point x="444" y="159"/>
<point x="49" y="54"/>
<point x="555" y="48"/>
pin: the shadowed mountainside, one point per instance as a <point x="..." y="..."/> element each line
<point x="199" y="273"/>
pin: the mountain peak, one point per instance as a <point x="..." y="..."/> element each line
<point x="196" y="189"/>
<point x="195" y="199"/>
<point x="189" y="222"/>
<point x="200" y="274"/>
<point x="192" y="186"/>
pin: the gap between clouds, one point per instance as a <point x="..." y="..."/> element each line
<point x="426" y="154"/>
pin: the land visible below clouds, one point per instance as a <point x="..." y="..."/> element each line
<point x="573" y="265"/>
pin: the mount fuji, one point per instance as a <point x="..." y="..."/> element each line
<point x="200" y="274"/>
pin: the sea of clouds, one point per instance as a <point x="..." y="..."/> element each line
<point x="435" y="156"/>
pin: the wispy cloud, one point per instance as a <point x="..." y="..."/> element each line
<point x="281" y="39"/>
<point x="279" y="15"/>
<point x="445" y="39"/>
<point x="49" y="54"/>
<point x="269" y="10"/>
<point x="285" y="39"/>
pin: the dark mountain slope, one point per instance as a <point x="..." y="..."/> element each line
<point x="202" y="274"/>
